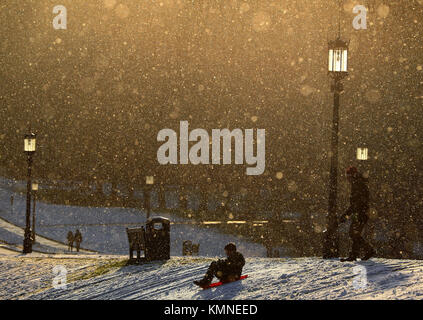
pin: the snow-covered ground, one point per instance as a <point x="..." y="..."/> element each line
<point x="32" y="277"/>
<point x="106" y="276"/>
<point x="103" y="229"/>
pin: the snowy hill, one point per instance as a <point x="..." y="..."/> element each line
<point x="103" y="229"/>
<point x="305" y="278"/>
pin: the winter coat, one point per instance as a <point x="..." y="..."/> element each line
<point x="78" y="237"/>
<point x="359" y="198"/>
<point x="234" y="264"/>
<point x="70" y="237"/>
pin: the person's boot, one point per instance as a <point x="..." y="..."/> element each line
<point x="370" y="253"/>
<point x="351" y="257"/>
<point x="203" y="283"/>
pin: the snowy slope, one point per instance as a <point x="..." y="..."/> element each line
<point x="305" y="278"/>
<point x="103" y="229"/>
<point x="12" y="235"/>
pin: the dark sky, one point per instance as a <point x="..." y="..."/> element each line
<point x="98" y="93"/>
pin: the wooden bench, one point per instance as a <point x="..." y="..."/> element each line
<point x="136" y="239"/>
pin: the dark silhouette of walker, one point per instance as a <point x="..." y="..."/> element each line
<point x="359" y="205"/>
<point x="154" y="240"/>
<point x="70" y="237"/>
<point x="78" y="240"/>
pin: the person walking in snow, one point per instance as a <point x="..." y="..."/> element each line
<point x="226" y="270"/>
<point x="359" y="205"/>
<point x="70" y="238"/>
<point x="78" y="239"/>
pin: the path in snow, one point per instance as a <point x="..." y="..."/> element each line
<point x="15" y="234"/>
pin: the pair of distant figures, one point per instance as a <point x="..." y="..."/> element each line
<point x="74" y="238"/>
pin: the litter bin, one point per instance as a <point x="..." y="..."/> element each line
<point x="157" y="239"/>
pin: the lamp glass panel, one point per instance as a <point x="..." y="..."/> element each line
<point x="344" y="61"/>
<point x="362" y="153"/>
<point x="338" y="60"/>
<point x="331" y="60"/>
<point x="149" y="180"/>
<point x="29" y="144"/>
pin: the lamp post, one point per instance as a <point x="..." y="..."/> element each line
<point x="149" y="181"/>
<point x="338" y="70"/>
<point x="29" y="148"/>
<point x="34" y="192"/>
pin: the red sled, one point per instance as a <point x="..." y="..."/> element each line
<point x="217" y="284"/>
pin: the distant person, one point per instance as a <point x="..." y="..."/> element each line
<point x="71" y="239"/>
<point x="78" y="240"/>
<point x="359" y="205"/>
<point x="227" y="270"/>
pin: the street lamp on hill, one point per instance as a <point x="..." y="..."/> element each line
<point x="29" y="149"/>
<point x="338" y="70"/>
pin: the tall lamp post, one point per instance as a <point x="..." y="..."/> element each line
<point x="29" y="148"/>
<point x="338" y="70"/>
<point x="149" y="181"/>
<point x="34" y="192"/>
